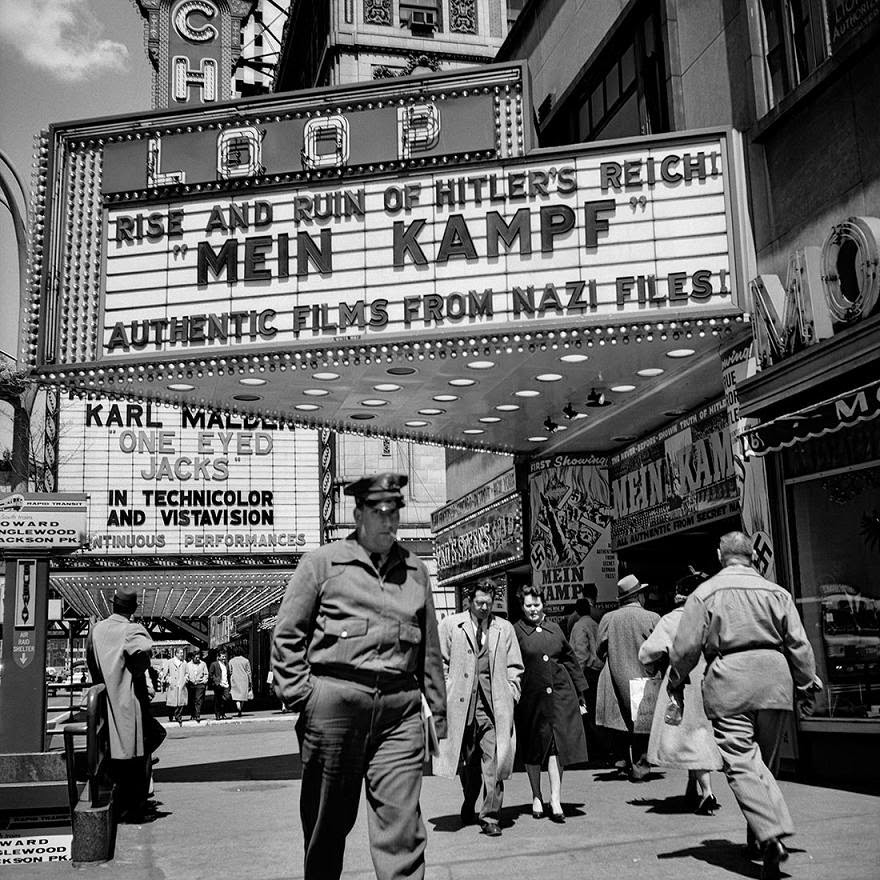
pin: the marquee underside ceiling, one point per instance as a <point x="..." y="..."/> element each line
<point x="175" y="593"/>
<point x="523" y="392"/>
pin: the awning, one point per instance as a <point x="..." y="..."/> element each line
<point x="171" y="593"/>
<point x="842" y="411"/>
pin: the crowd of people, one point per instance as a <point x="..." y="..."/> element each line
<point x="376" y="682"/>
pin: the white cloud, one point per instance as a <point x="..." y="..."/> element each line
<point x="61" y="37"/>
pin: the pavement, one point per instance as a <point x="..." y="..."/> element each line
<point x="228" y="791"/>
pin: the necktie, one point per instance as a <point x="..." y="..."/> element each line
<point x="479" y="637"/>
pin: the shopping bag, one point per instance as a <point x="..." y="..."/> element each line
<point x="643" y="693"/>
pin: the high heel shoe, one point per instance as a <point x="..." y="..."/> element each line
<point x="708" y="806"/>
<point x="559" y="817"/>
<point x="538" y="814"/>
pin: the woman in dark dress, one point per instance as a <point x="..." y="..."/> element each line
<point x="549" y="727"/>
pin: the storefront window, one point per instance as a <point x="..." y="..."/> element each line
<point x="835" y="540"/>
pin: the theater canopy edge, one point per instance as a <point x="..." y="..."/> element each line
<point x="391" y="259"/>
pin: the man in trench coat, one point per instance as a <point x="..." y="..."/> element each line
<point x="118" y="654"/>
<point x="483" y="668"/>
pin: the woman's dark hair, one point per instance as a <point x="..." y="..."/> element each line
<point x="530" y="590"/>
<point x="686" y="585"/>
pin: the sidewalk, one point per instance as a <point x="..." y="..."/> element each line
<point x="228" y="806"/>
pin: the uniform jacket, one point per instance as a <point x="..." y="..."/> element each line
<point x="459" y="668"/>
<point x="197" y="673"/>
<point x="216" y="675"/>
<point x="691" y="744"/>
<point x="621" y="634"/>
<point x="751" y="635"/>
<point x="175" y="679"/>
<point x="551" y="689"/>
<point x="339" y="610"/>
<point x="118" y="654"/>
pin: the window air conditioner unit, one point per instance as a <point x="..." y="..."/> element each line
<point x="423" y="20"/>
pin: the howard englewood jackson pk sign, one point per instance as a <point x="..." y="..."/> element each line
<point x="30" y="522"/>
<point x="614" y="232"/>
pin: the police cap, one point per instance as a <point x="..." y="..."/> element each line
<point x="378" y="489"/>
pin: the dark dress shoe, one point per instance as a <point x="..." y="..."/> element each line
<point x="775" y="854"/>
<point x="558" y="818"/>
<point x="708" y="806"/>
<point x="490" y="829"/>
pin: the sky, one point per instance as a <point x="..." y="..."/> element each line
<point x="60" y="60"/>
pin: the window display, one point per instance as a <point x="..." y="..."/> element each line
<point x="834" y="519"/>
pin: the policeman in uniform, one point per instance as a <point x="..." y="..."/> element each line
<point x="355" y="648"/>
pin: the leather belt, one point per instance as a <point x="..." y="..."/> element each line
<point x="384" y="682"/>
<point x="739" y="649"/>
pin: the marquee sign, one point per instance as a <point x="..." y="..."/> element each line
<point x="171" y="480"/>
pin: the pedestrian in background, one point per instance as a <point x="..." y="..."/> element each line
<point x="196" y="682"/>
<point x="584" y="639"/>
<point x="355" y="643"/>
<point x="621" y="633"/>
<point x="174" y="679"/>
<point x="482" y="667"/>
<point x="755" y="648"/>
<point x="118" y="655"/>
<point x="241" y="684"/>
<point x="550" y="732"/>
<point x="218" y="673"/>
<point x="689" y="745"/>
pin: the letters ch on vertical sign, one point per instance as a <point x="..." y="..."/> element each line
<point x="25" y="593"/>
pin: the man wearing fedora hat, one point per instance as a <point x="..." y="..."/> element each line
<point x="621" y="634"/>
<point x="118" y="654"/>
<point x="354" y="649"/>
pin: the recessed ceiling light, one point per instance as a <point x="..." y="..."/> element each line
<point x="416" y="423"/>
<point x="648" y="372"/>
<point x="481" y="365"/>
<point x="252" y="380"/>
<point x="400" y="371"/>
<point x="473" y="431"/>
<point x="489" y="420"/>
<point x="180" y="386"/>
<point x="386" y="386"/>
<point x="325" y="377"/>
<point x="374" y="401"/>
<point x="315" y="392"/>
<point x="680" y="353"/>
<point x="527" y="393"/>
<point x="462" y="383"/>
<point x="307" y="407"/>
<point x="445" y="398"/>
<point x="246" y="398"/>
<point x="574" y="358"/>
<point x="362" y="417"/>
<point x="507" y="407"/>
<point x="537" y="439"/>
<point x="623" y="438"/>
<point x="623" y="389"/>
<point x="549" y="377"/>
<point x="431" y="411"/>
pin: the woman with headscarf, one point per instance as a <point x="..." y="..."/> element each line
<point x="689" y="745"/>
<point x="549" y="727"/>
